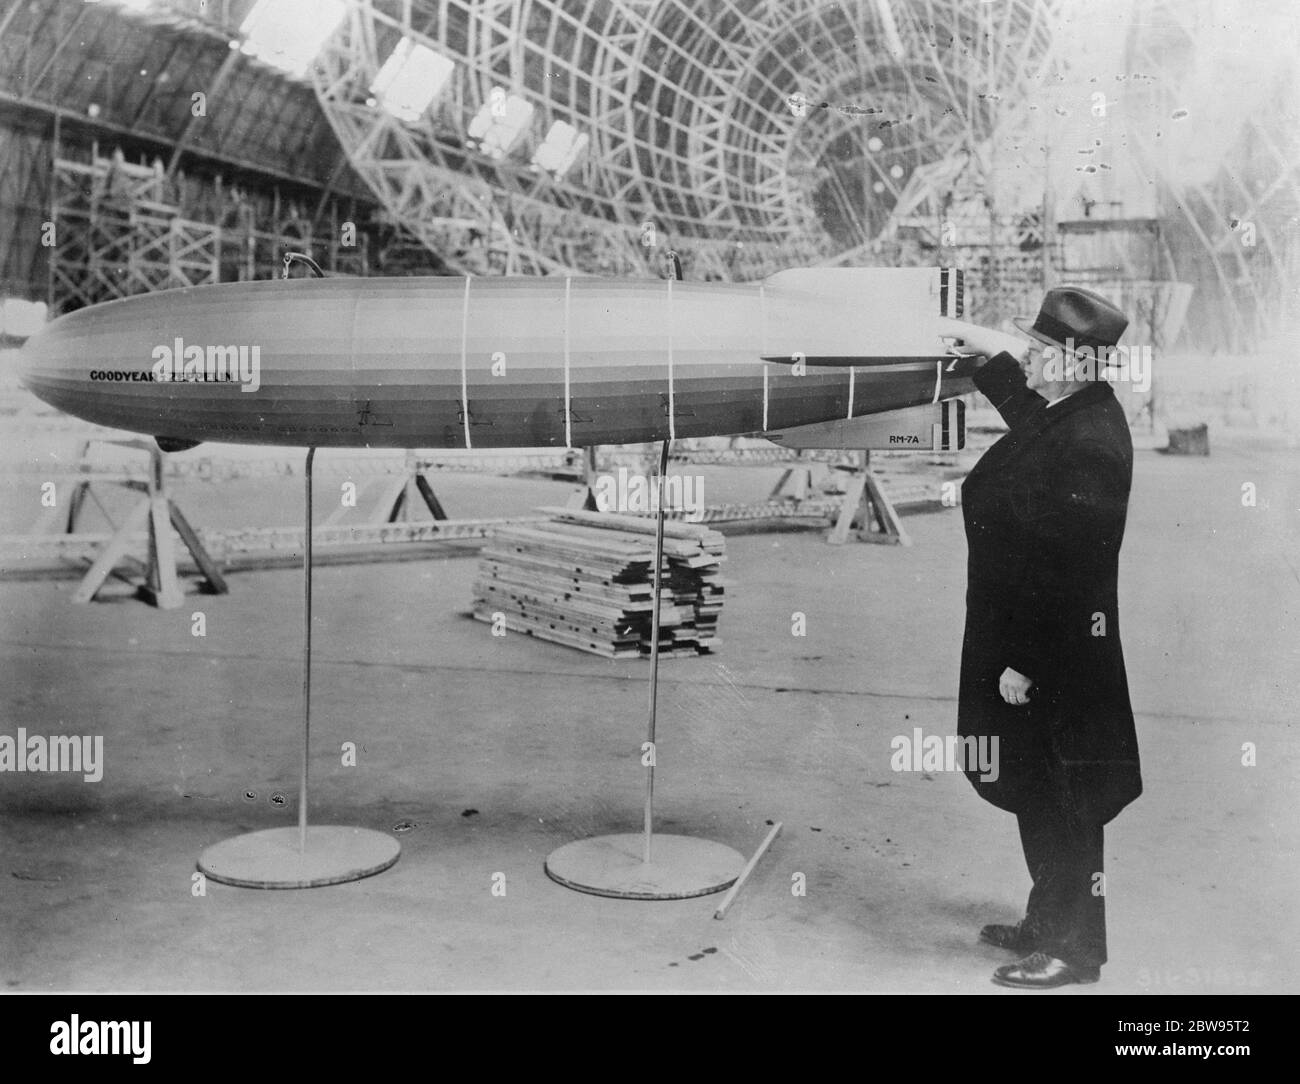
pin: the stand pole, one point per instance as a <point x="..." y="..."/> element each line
<point x="621" y="865"/>
<point x="654" y="651"/>
<point x="282" y="857"/>
<point x="306" y="656"/>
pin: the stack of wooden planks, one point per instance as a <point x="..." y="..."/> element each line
<point x="586" y="580"/>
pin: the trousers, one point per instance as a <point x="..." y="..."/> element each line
<point x="1066" y="913"/>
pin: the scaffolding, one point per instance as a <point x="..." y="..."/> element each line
<point x="120" y="228"/>
<point x="116" y="234"/>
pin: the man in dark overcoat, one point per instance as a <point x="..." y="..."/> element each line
<point x="1042" y="667"/>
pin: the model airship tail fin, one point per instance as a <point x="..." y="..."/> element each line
<point x="939" y="427"/>
<point x="915" y="292"/>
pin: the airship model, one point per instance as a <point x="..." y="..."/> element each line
<point x="815" y="357"/>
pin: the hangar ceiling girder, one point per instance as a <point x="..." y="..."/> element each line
<point x="688" y="107"/>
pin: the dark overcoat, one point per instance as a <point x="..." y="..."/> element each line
<point x="1044" y="510"/>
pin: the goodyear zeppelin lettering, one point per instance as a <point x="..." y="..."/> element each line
<point x="211" y="364"/>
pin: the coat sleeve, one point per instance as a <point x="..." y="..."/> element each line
<point x="1074" y="507"/>
<point x="1002" y="382"/>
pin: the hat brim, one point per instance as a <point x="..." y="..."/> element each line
<point x="1027" y="326"/>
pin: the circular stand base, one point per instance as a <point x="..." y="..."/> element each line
<point x="271" y="858"/>
<point x="680" y="867"/>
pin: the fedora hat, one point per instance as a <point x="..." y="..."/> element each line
<point x="1071" y="313"/>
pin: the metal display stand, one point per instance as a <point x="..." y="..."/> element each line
<point x="643" y="866"/>
<point x="302" y="857"/>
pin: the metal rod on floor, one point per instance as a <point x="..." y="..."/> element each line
<point x="306" y="658"/>
<point x="654" y="650"/>
<point x="739" y="882"/>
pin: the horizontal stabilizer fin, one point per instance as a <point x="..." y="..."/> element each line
<point x="939" y="290"/>
<point x="937" y="427"/>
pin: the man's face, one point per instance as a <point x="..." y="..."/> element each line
<point x="1034" y="363"/>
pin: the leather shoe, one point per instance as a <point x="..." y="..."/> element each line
<point x="1039" y="971"/>
<point x="1016" y="938"/>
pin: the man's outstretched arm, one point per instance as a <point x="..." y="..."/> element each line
<point x="993" y="356"/>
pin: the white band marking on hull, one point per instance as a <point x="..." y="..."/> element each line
<point x="464" y="360"/>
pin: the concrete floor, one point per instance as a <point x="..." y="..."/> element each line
<point x="500" y="750"/>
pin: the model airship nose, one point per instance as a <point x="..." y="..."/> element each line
<point x="94" y="364"/>
<point x="18" y="338"/>
<point x="45" y="365"/>
<point x="33" y="355"/>
<point x="130" y="364"/>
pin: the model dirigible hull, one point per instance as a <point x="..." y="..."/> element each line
<point x="493" y="362"/>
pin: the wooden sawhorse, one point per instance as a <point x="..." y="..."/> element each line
<point x="157" y="512"/>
